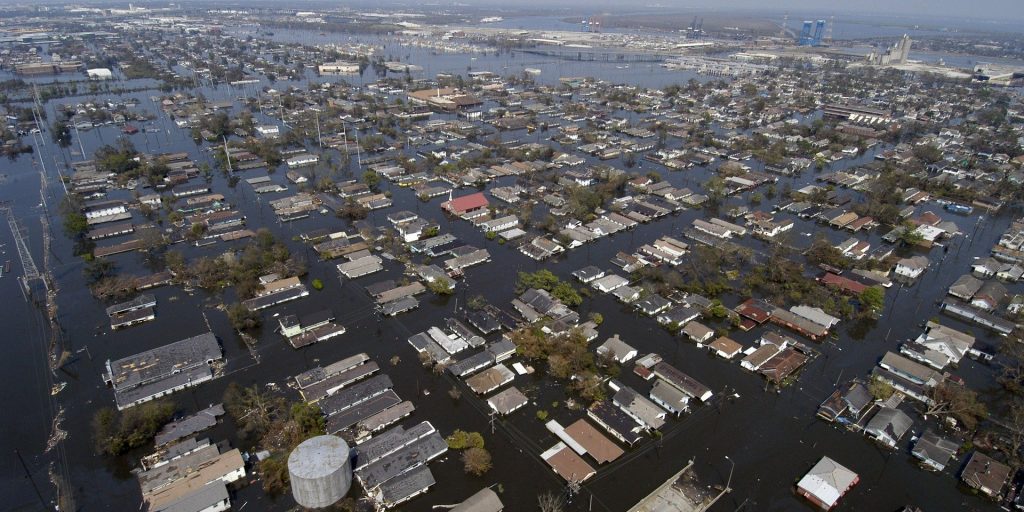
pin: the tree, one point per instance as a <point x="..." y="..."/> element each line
<point x="461" y="440"/>
<point x="274" y="473"/>
<point x="880" y="389"/>
<point x="116" y="432"/>
<point x="1014" y="422"/>
<point x="372" y="179"/>
<point x="550" y="502"/>
<point x="954" y="400"/>
<point x="476" y="461"/>
<point x="242" y="318"/>
<point x="252" y="409"/>
<point x="60" y="131"/>
<point x="872" y="298"/>
<point x="441" y="286"/>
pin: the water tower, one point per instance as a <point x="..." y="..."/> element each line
<point x="320" y="470"/>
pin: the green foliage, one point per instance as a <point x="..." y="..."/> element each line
<point x="60" y="131"/>
<point x="115" y="433"/>
<point x="542" y="415"/>
<point x="75" y="224"/>
<point x="96" y="270"/>
<point x="242" y="318"/>
<point x="274" y="473"/>
<point x="545" y="280"/>
<point x="872" y="298"/>
<point x="309" y="419"/>
<point x="461" y="440"/>
<point x="880" y="389"/>
<point x="318" y="284"/>
<point x="372" y="179"/>
<point x="441" y="286"/>
<point x="118" y="159"/>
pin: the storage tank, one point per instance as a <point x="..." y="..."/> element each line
<point x="320" y="471"/>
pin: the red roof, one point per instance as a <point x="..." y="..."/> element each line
<point x="466" y="203"/>
<point x="752" y="309"/>
<point x="843" y="283"/>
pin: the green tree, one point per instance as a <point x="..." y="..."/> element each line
<point x="872" y="298"/>
<point x="115" y="433"/>
<point x="242" y="318"/>
<point x="441" y="286"/>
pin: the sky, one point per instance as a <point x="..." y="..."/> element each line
<point x="976" y="9"/>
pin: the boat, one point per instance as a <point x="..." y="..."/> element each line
<point x="58" y="387"/>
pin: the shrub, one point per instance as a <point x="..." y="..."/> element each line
<point x="476" y="461"/>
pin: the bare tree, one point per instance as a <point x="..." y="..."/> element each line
<point x="956" y="401"/>
<point x="550" y="502"/>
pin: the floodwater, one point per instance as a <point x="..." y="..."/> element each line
<point x="773" y="438"/>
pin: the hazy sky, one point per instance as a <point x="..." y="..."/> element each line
<point x="976" y="9"/>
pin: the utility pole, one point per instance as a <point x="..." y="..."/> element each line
<point x="728" y="485"/>
<point x="319" y="139"/>
<point x="227" y="155"/>
<point x="30" y="479"/>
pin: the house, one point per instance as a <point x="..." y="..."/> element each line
<point x="637" y="407"/>
<point x="679" y="316"/>
<point x="617" y="423"/>
<point x="938" y="346"/>
<point x="485" y="500"/>
<point x="888" y="425"/>
<point x="934" y="451"/>
<point x="588" y="274"/>
<point x="698" y="332"/>
<point x="782" y="365"/>
<point x="755" y="359"/>
<point x="652" y="304"/>
<point x="815" y="315"/>
<point x="986" y="268"/>
<point x="847" y="403"/>
<point x="466" y="204"/>
<point x="597" y="445"/>
<point x="669" y="397"/>
<point x="965" y="287"/>
<point x="989" y="296"/>
<point x="985" y="474"/>
<point x="911" y="267"/>
<point x="609" y="283"/>
<point x="617" y="350"/>
<point x="826" y="483"/>
<point x="842" y="284"/>
<point x="725" y="347"/>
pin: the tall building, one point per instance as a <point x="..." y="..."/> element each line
<point x="805" y="34"/>
<point x="809" y="38"/>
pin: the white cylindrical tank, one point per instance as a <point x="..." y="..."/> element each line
<point x="320" y="471"/>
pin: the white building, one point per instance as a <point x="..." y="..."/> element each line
<point x="302" y="160"/>
<point x="339" y="68"/>
<point x="99" y="74"/>
<point x="268" y="130"/>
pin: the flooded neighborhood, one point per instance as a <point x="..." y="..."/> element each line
<point x="372" y="258"/>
